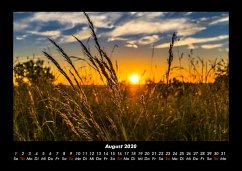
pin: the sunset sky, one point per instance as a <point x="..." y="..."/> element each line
<point x="134" y="33"/>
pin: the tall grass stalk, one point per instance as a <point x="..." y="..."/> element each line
<point x="104" y="67"/>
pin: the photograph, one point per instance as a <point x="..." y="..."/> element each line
<point x="120" y="76"/>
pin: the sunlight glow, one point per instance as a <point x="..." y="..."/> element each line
<point x="25" y="80"/>
<point x="134" y="78"/>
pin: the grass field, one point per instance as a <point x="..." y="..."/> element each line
<point x="167" y="110"/>
<point x="200" y="113"/>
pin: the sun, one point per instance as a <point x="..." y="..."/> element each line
<point x="134" y="78"/>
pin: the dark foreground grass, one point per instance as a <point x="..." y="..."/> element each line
<point x="193" y="112"/>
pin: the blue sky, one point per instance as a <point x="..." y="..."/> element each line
<point x="129" y="28"/>
<point x="134" y="32"/>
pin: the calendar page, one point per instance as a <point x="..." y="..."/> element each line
<point x="141" y="86"/>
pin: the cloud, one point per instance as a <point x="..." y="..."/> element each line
<point x="147" y="15"/>
<point x="148" y="39"/>
<point x="116" y="39"/>
<point x="142" y="41"/>
<point x="191" y="40"/>
<point x="132" y="44"/>
<point x="55" y="33"/>
<point x="133" y="13"/>
<point x="203" y="19"/>
<point x="18" y="26"/>
<point x="104" y="20"/>
<point x="188" y="13"/>
<point x="81" y="35"/>
<point x="66" y="39"/>
<point x="219" y="20"/>
<point x="191" y="46"/>
<point x="210" y="21"/>
<point x="67" y="21"/>
<point x="135" y="27"/>
<point x="141" y="26"/>
<point x="21" y="37"/>
<point x="71" y="19"/>
<point x="190" y="30"/>
<point x="211" y="46"/>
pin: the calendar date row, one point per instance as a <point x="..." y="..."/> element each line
<point x="114" y="153"/>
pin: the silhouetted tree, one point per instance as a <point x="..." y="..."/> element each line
<point x="32" y="73"/>
<point x="222" y="73"/>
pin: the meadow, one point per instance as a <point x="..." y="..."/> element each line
<point x="169" y="110"/>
